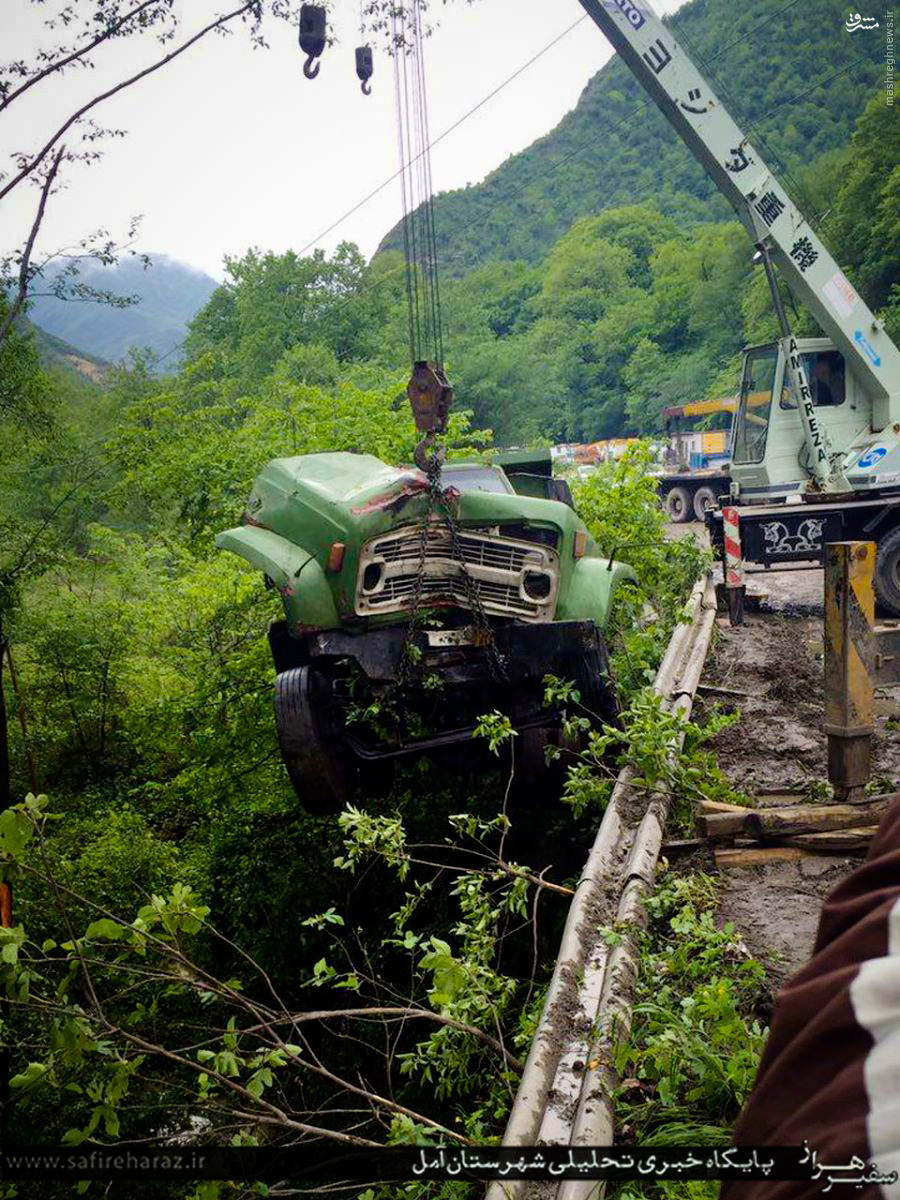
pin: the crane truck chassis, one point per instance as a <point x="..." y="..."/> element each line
<point x="774" y="535"/>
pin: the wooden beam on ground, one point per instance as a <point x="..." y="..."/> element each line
<point x="719" y="806"/>
<point x="835" y="841"/>
<point x="730" y="859"/>
<point x="813" y="818"/>
<point x="724" y="825"/>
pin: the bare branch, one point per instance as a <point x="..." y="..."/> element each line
<point x="24" y="265"/>
<point x="219" y="23"/>
<point x="62" y="63"/>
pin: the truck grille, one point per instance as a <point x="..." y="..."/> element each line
<point x="513" y="578"/>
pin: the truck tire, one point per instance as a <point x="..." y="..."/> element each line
<point x="678" y="505"/>
<point x="886" y="583"/>
<point x="704" y="499"/>
<point x="319" y="769"/>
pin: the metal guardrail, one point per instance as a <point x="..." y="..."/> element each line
<point x="565" y="1096"/>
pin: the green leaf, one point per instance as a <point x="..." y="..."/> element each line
<point x="15" y="832"/>
<point x="34" y="1072"/>
<point x="105" y="928"/>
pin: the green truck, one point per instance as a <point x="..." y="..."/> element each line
<point x="404" y="622"/>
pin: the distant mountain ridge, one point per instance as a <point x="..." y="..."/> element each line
<point x="172" y="293"/>
<point x="790" y="74"/>
<point x="54" y="352"/>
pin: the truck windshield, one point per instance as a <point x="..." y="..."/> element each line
<point x="752" y="421"/>
<point x="475" y="479"/>
<point x="825" y="372"/>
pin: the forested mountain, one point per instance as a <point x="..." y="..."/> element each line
<point x="790" y="73"/>
<point x="54" y="352"/>
<point x="171" y="293"/>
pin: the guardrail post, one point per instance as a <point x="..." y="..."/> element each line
<point x="849" y="704"/>
<point x="734" y="565"/>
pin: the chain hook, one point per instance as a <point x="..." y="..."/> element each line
<point x="428" y="456"/>
<point x="366" y="88"/>
<point x="311" y="67"/>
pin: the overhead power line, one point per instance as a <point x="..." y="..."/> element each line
<point x="450" y="128"/>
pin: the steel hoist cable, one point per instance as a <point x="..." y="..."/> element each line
<point x="429" y="391"/>
<point x="416" y="187"/>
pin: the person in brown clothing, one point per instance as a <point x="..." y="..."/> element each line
<point x="830" y="1074"/>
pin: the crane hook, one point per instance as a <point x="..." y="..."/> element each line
<point x="364" y="68"/>
<point x="313" y="35"/>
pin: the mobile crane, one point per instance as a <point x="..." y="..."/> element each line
<point x="815" y="443"/>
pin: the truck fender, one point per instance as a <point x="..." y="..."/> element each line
<point x="592" y="588"/>
<point x="890" y="510"/>
<point x="307" y="598"/>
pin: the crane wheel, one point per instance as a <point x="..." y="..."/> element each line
<point x="678" y="505"/>
<point x="886" y="582"/>
<point x="704" y="500"/>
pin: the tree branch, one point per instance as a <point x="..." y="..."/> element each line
<point x="76" y="54"/>
<point x="22" y="290"/>
<point x="119" y="87"/>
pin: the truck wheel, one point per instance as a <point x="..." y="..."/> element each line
<point x="704" y="499"/>
<point x="532" y="771"/>
<point x="321" y="772"/>
<point x="678" y="505"/>
<point x="886" y="583"/>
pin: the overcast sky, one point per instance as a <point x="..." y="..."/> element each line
<point x="230" y="147"/>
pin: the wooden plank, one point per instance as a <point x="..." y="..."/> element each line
<point x="813" y="818"/>
<point x="841" y="841"/>
<point x="724" y="825"/>
<point x="683" y="845"/>
<point x="722" y="691"/>
<point x="729" y="859"/>
<point x="719" y="806"/>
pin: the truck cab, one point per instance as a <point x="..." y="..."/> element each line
<point x="769" y="457"/>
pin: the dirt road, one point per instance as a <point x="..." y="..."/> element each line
<point x="775" y="661"/>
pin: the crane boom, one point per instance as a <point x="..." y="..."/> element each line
<point x="686" y="99"/>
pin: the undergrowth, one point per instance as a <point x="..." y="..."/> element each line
<point x="697" y="1031"/>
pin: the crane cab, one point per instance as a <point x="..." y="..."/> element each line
<point x="769" y="457"/>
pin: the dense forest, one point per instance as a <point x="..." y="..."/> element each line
<point x="629" y="311"/>
<point x="789" y="74"/>
<point x="181" y="926"/>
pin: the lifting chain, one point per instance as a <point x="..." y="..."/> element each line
<point x="440" y="501"/>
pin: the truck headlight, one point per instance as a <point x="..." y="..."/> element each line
<point x="537" y="585"/>
<point x="372" y="576"/>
